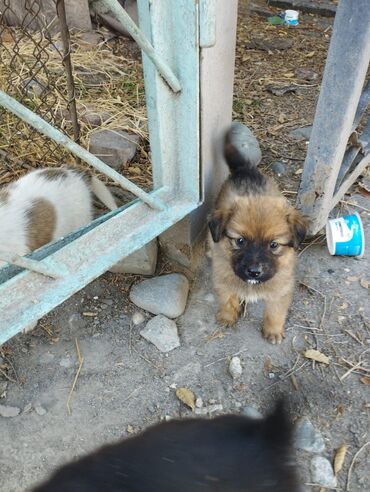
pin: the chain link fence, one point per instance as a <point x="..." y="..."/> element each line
<point x="35" y="69"/>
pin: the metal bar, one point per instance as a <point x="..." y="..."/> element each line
<point x="207" y="21"/>
<point x="345" y="71"/>
<point x="174" y="126"/>
<point x="349" y="157"/>
<point x="32" y="265"/>
<point x="104" y="6"/>
<point x="28" y="296"/>
<point x="67" y="62"/>
<point x="362" y="105"/>
<point x="360" y="167"/>
<point x="46" y="129"/>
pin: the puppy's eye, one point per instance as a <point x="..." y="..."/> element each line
<point x="240" y="241"/>
<point x="274" y="245"/>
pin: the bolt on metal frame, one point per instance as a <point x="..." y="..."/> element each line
<point x="331" y="165"/>
<point x="169" y="37"/>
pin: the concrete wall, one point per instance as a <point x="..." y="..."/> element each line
<point x="217" y="79"/>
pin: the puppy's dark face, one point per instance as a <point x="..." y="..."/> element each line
<point x="258" y="234"/>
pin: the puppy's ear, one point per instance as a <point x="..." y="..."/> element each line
<point x="298" y="225"/>
<point x="217" y="223"/>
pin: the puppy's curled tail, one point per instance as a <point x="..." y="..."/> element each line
<point x="101" y="191"/>
<point x="242" y="165"/>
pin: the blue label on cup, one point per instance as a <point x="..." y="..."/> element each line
<point x="345" y="236"/>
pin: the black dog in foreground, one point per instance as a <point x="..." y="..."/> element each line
<point x="228" y="454"/>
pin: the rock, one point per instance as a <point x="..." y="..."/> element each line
<point x="281" y="90"/>
<point x="322" y="472"/>
<point x="33" y="88"/>
<point x="40" y="410"/>
<point x="252" y="413"/>
<point x="278" y="168"/>
<point x="307" y="438"/>
<point x="137" y="318"/>
<point x="303" y="133"/>
<point x="7" y="411"/>
<point x="114" y="147"/>
<point x="246" y="143"/>
<point x="235" y="367"/>
<point x="166" y="294"/>
<point x="90" y="115"/>
<point x="306" y="74"/>
<point x="141" y="262"/>
<point x="162" y="332"/>
<point x="3" y="387"/>
<point x="260" y="10"/>
<point x="199" y="402"/>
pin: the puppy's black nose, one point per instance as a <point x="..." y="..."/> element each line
<point x="254" y="271"/>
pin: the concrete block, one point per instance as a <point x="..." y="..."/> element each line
<point x="142" y="262"/>
<point x="114" y="147"/>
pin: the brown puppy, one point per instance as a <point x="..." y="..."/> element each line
<point x="255" y="232"/>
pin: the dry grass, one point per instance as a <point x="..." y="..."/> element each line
<point x="107" y="83"/>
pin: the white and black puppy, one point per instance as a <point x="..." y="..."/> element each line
<point x="45" y="205"/>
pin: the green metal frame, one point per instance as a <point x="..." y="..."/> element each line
<point x="169" y="37"/>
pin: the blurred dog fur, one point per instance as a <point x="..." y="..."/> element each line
<point x="255" y="232"/>
<point x="229" y="454"/>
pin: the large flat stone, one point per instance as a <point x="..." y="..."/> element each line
<point x="162" y="332"/>
<point x="166" y="294"/>
<point x="141" y="262"/>
<point x="322" y="472"/>
<point x="114" y="147"/>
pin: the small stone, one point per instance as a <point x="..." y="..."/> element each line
<point x="306" y="74"/>
<point x="162" y="332"/>
<point x="252" y="413"/>
<point x="8" y="412"/>
<point x="303" y="133"/>
<point x="246" y="143"/>
<point x="307" y="438"/>
<point x="199" y="402"/>
<point x="40" y="410"/>
<point x="137" y="318"/>
<point x="165" y="295"/>
<point x="322" y="472"/>
<point x="235" y="367"/>
<point x="27" y="408"/>
<point x="34" y="88"/>
<point x="331" y="271"/>
<point x="108" y="302"/>
<point x="278" y="168"/>
<point x="115" y="147"/>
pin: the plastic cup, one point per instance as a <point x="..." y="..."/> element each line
<point x="345" y="236"/>
<point x="291" y="17"/>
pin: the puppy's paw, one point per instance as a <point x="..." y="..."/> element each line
<point x="273" y="336"/>
<point x="227" y="317"/>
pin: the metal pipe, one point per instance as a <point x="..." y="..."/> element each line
<point x="119" y="13"/>
<point x="32" y="265"/>
<point x="46" y="129"/>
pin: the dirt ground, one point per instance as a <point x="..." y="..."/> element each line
<point x="125" y="383"/>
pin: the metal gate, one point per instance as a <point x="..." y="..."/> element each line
<point x="171" y="34"/>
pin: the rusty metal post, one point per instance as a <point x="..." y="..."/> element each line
<point x="67" y="62"/>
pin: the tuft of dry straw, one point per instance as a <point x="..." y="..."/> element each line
<point x="80" y="363"/>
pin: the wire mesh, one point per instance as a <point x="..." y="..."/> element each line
<point x="26" y="73"/>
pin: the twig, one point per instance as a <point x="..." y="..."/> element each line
<point x="353" y="462"/>
<point x="350" y="370"/>
<point x="352" y="204"/>
<point x="13" y="368"/>
<point x="314" y="241"/>
<point x="80" y="360"/>
<point x="7" y="377"/>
